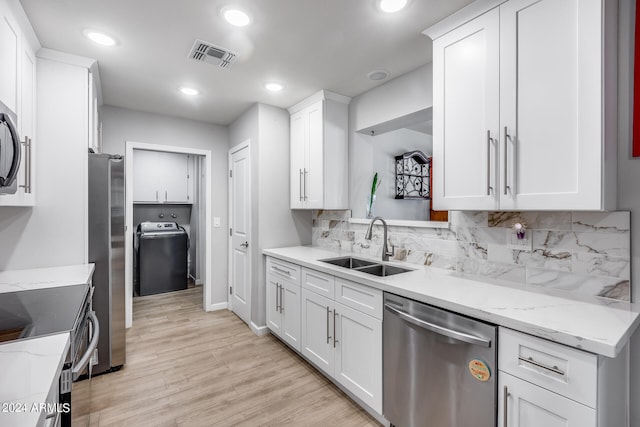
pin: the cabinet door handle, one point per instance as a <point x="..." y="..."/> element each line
<point x="277" y="296"/>
<point x="29" y="190"/>
<point x="505" y="411"/>
<point x="300" y="185"/>
<point x="305" y="184"/>
<point x="328" y="314"/>
<point x="281" y="299"/>
<point x="489" y="140"/>
<point x="506" y="160"/>
<point x="335" y="315"/>
<point x="553" y="369"/>
<point x="27" y="167"/>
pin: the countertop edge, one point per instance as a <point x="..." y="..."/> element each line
<point x="559" y="336"/>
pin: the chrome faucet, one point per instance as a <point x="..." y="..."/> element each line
<point x="385" y="252"/>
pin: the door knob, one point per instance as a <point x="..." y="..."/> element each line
<point x="245" y="245"/>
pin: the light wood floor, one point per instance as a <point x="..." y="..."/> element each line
<point x="186" y="367"/>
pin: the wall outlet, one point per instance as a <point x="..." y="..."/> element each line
<point x="524" y="244"/>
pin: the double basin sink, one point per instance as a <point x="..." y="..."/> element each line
<point x="366" y="266"/>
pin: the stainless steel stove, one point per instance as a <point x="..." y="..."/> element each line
<point x="39" y="312"/>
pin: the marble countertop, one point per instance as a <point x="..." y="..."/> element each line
<point x="30" y="368"/>
<point x="598" y="325"/>
<point x="40" y="278"/>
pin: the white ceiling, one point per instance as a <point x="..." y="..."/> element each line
<point x="306" y="44"/>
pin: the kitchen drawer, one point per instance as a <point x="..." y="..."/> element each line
<point x="317" y="282"/>
<point x="555" y="367"/>
<point x="283" y="269"/>
<point x="359" y="297"/>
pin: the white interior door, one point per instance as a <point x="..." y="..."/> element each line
<point x="240" y="210"/>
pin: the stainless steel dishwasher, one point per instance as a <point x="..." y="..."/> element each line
<point x="439" y="367"/>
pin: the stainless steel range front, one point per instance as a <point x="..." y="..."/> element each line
<point x="67" y="309"/>
<point x="439" y="367"/>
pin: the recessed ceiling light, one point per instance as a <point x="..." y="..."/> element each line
<point x="391" y="6"/>
<point x="274" y="87"/>
<point x="189" y="91"/>
<point x="378" y="75"/>
<point x="236" y="17"/>
<point x="100" y="38"/>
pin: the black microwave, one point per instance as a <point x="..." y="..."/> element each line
<point x="9" y="151"/>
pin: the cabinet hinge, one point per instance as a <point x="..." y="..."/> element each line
<point x="230" y="174"/>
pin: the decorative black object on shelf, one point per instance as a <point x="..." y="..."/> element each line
<point x="412" y="176"/>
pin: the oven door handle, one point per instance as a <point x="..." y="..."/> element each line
<point x="82" y="363"/>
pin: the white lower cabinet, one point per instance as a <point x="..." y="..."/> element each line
<point x="529" y="405"/>
<point x="283" y="301"/>
<point x="334" y="323"/>
<point x="283" y="309"/>
<point x="542" y="383"/>
<point x="344" y="343"/>
<point x="317" y="333"/>
<point x="358" y="354"/>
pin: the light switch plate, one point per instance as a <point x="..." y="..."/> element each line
<point x="525" y="244"/>
<point x="216" y="221"/>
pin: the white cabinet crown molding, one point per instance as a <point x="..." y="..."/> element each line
<point x="319" y="96"/>
<point x="66" y="58"/>
<point x="461" y="17"/>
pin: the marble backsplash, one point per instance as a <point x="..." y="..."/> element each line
<point x="585" y="252"/>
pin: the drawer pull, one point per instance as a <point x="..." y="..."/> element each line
<point x="280" y="270"/>
<point x="553" y="369"/>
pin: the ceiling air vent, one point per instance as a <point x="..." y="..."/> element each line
<point x="206" y="52"/>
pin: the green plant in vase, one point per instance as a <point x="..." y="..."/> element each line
<point x="372" y="197"/>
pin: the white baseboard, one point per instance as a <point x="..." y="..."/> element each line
<point x="259" y="330"/>
<point x="216" y="307"/>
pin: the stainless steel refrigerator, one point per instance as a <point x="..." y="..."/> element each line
<point x="106" y="250"/>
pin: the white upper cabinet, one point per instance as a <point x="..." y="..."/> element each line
<point x="319" y="152"/>
<point x="466" y="69"/>
<point x="18" y="46"/>
<point x="10" y="40"/>
<point x="161" y="177"/>
<point x="520" y="95"/>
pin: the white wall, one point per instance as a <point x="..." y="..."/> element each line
<point x="279" y="225"/>
<point x="403" y="95"/>
<point x="629" y="179"/>
<point x="273" y="223"/>
<point x="391" y="102"/>
<point x="120" y="125"/>
<point x="53" y="232"/>
<point x="377" y="154"/>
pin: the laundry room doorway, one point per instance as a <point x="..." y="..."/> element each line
<point x="168" y="221"/>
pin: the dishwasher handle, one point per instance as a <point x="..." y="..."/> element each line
<point x="460" y="336"/>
